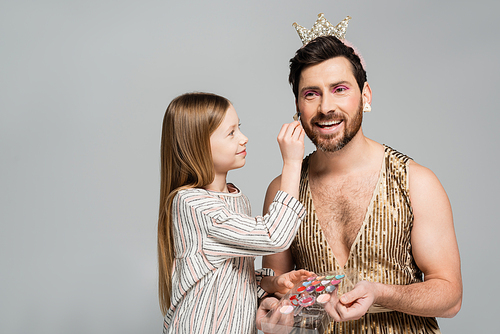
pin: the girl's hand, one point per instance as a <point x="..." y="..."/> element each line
<point x="283" y="283"/>
<point x="291" y="141"/>
<point x="274" y="322"/>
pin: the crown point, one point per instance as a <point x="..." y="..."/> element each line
<point x="322" y="28"/>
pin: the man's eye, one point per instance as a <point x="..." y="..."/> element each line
<point x="310" y="94"/>
<point x="340" y="89"/>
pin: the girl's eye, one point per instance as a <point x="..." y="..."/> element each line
<point x="231" y="133"/>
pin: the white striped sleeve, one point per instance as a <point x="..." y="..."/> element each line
<point x="233" y="234"/>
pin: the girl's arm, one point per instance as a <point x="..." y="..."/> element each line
<point x="233" y="234"/>
<point x="281" y="284"/>
<point x="291" y="142"/>
<point x="284" y="212"/>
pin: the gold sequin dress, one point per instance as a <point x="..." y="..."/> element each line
<point x="380" y="253"/>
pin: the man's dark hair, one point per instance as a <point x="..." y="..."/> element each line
<point x="317" y="51"/>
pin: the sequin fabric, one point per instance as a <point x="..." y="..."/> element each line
<point x="381" y="252"/>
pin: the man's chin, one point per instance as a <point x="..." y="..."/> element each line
<point x="327" y="144"/>
<point x="329" y="148"/>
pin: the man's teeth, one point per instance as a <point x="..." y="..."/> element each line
<point x="331" y="123"/>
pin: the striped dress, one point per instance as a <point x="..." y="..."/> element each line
<point x="381" y="253"/>
<point x="214" y="288"/>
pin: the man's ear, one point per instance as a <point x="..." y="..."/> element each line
<point x="296" y="117"/>
<point x="367" y="93"/>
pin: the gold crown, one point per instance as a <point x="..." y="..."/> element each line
<point x="322" y="28"/>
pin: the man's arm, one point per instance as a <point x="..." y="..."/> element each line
<point x="279" y="262"/>
<point x="435" y="251"/>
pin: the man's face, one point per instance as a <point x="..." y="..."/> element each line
<point x="330" y="103"/>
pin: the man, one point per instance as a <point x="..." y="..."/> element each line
<point x="370" y="208"/>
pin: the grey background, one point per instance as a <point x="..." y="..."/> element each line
<point x="83" y="89"/>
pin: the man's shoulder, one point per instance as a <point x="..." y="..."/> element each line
<point x="412" y="165"/>
<point x="421" y="173"/>
<point x="416" y="173"/>
<point x="275" y="184"/>
<point x="396" y="154"/>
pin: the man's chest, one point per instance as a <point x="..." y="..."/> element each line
<point x="341" y="207"/>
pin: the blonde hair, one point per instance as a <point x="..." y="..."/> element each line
<point x="186" y="162"/>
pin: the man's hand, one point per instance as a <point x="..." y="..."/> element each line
<point x="354" y="304"/>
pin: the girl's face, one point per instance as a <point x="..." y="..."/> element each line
<point x="228" y="144"/>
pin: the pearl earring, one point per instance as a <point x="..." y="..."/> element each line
<point x="367" y="107"/>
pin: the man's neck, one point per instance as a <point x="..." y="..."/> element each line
<point x="358" y="154"/>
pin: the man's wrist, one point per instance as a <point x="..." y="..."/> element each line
<point x="379" y="291"/>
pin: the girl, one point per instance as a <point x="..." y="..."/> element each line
<point x="207" y="240"/>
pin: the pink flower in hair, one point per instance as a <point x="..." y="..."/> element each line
<point x="356" y="51"/>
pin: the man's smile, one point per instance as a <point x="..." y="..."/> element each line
<point x="327" y="124"/>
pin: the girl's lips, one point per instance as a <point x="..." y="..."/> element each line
<point x="244" y="152"/>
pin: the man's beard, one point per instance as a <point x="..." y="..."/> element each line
<point x="328" y="143"/>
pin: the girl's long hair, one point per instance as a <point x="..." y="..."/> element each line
<point x="186" y="162"/>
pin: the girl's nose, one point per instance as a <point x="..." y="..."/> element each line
<point x="244" y="139"/>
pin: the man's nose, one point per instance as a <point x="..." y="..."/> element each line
<point x="327" y="104"/>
